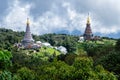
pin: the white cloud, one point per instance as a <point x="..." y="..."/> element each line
<point x="16" y="17"/>
<point x="50" y="21"/>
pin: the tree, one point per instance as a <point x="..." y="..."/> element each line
<point x="5" y="75"/>
<point x="57" y="70"/>
<point x="117" y="47"/>
<point x="5" y="63"/>
<point x="111" y="62"/>
<point x="69" y="59"/>
<point x="70" y="44"/>
<point x="84" y="70"/>
<point x="5" y="59"/>
<point x="25" y="74"/>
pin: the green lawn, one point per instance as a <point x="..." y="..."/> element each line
<point x="46" y="52"/>
<point x="49" y="50"/>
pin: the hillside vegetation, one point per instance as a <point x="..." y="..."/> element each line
<point x="91" y="60"/>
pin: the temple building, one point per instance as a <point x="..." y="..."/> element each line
<point x="88" y="32"/>
<point x="88" y="35"/>
<point x="27" y="41"/>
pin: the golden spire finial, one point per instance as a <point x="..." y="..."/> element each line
<point x="28" y="22"/>
<point x="88" y="19"/>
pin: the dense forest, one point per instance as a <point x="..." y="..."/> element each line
<point x="89" y="60"/>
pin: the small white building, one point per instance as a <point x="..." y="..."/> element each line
<point x="38" y="42"/>
<point x="62" y="49"/>
<point x="35" y="46"/>
<point x="46" y="44"/>
<point x="81" y="39"/>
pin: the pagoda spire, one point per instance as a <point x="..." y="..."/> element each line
<point x="88" y="19"/>
<point x="28" y="22"/>
<point x="28" y="36"/>
<point x="88" y="31"/>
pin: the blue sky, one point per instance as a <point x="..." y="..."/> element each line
<point x="49" y="16"/>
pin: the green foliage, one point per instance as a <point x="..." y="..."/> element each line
<point x="70" y="44"/>
<point x="69" y="59"/>
<point x="56" y="71"/>
<point x="48" y="64"/>
<point x="86" y="71"/>
<point x="24" y="74"/>
<point x="81" y="69"/>
<point x="5" y="57"/>
<point x="5" y="75"/>
<point x="97" y="50"/>
<point x="81" y="49"/>
<point x="118" y="45"/>
<point x="111" y="62"/>
<point x="83" y="62"/>
<point x="5" y="63"/>
<point x="8" y="38"/>
<point x="103" y="74"/>
<point x="60" y="39"/>
<point x="48" y="50"/>
<point x="27" y="58"/>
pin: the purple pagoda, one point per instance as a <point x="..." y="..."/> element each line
<point x="88" y="32"/>
<point x="27" y="41"/>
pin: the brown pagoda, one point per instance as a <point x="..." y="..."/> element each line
<point x="88" y="32"/>
<point x="27" y="40"/>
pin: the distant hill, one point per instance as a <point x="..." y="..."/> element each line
<point x="9" y="37"/>
<point x="78" y="33"/>
<point x="74" y="32"/>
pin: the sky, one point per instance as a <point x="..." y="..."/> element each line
<point x="50" y="16"/>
